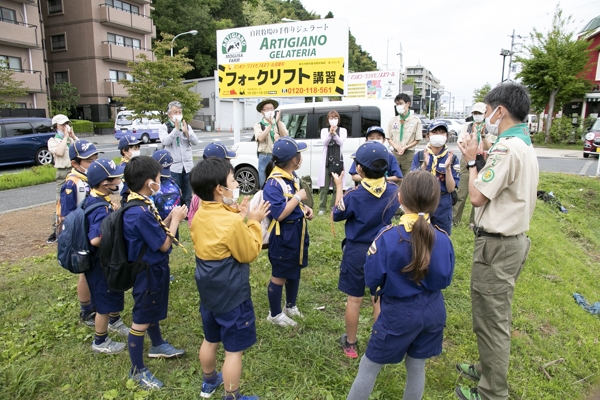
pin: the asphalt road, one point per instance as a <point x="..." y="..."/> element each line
<point x="15" y="199"/>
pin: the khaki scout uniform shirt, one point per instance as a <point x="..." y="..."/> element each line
<point x="412" y="130"/>
<point x="464" y="135"/>
<point x="266" y="146"/>
<point x="509" y="180"/>
<point x="63" y="161"/>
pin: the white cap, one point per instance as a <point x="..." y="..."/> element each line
<point x="479" y="107"/>
<point x="60" y="119"/>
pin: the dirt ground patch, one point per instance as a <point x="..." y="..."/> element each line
<point x="24" y="233"/>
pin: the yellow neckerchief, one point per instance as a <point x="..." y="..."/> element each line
<point x="76" y="174"/>
<point x="435" y="157"/>
<point x="408" y="220"/>
<point x="278" y="173"/>
<point x="374" y="186"/>
<point x="97" y="193"/>
<point x="125" y="160"/>
<point x="137" y="196"/>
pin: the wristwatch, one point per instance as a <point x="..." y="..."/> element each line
<point x="470" y="164"/>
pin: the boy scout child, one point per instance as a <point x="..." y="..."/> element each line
<point x="129" y="147"/>
<point x="225" y="246"/>
<point x="504" y="193"/>
<point x="367" y="208"/>
<point x="393" y="173"/>
<point x="405" y="132"/>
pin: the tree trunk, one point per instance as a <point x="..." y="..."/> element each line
<point x="550" y="115"/>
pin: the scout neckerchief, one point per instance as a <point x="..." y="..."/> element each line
<point x="279" y="173"/>
<point x="478" y="130"/>
<point x="97" y="193"/>
<point x="76" y="174"/>
<point x="408" y="220"/>
<point x="518" y="131"/>
<point x="402" y="120"/>
<point x="125" y="160"/>
<point x="152" y="207"/>
<point x="272" y="129"/>
<point x="374" y="186"/>
<point x="60" y="136"/>
<point x="435" y="157"/>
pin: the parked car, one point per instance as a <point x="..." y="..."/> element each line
<point x="25" y="141"/>
<point x="591" y="145"/>
<point x="454" y="126"/>
<point x="304" y="122"/>
<point x="144" y="129"/>
<point x="424" y="124"/>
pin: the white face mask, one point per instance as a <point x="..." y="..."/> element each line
<point x="236" y="195"/>
<point x="400" y="108"/>
<point x="333" y="122"/>
<point x="154" y="192"/>
<point x="437" y="140"/>
<point x="269" y="114"/>
<point x="376" y="140"/>
<point x="492" y="128"/>
<point x="177" y="117"/>
<point x="478" y="117"/>
<point x="135" y="153"/>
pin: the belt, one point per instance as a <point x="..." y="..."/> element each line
<point x="405" y="151"/>
<point x="480" y="232"/>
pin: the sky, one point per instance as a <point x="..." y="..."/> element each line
<point x="459" y="42"/>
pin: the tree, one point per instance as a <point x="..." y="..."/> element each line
<point x="479" y="94"/>
<point x="10" y="89"/>
<point x="156" y="83"/>
<point x="258" y="14"/>
<point x="553" y="72"/>
<point x="66" y="100"/>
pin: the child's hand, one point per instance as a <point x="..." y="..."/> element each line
<point x="302" y="194"/>
<point x="179" y="213"/>
<point x="243" y="207"/>
<point x="309" y="214"/>
<point x="425" y="159"/>
<point x="338" y="179"/>
<point x="448" y="163"/>
<point x="259" y="212"/>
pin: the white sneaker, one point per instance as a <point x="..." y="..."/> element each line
<point x="321" y="212"/>
<point x="293" y="312"/>
<point x="119" y="327"/>
<point x="108" y="347"/>
<point x="281" y="320"/>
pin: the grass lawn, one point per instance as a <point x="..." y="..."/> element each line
<point x="45" y="353"/>
<point x="28" y="177"/>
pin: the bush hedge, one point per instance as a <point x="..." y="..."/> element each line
<point x="82" y="126"/>
<point x="104" y="125"/>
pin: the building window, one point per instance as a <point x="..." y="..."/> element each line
<point x="13" y="63"/>
<point x="55" y="7"/>
<point x="59" y="42"/>
<point x="20" y="105"/>
<point x="121" y="5"/>
<point x="61" y="77"/>
<point x="116" y="76"/>
<point x="120" y="40"/>
<point x="8" y="15"/>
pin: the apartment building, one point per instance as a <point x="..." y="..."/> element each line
<point x="89" y="42"/>
<point x="423" y="78"/>
<point x="21" y="49"/>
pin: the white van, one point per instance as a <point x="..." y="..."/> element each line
<point x="304" y="122"/>
<point x="144" y="129"/>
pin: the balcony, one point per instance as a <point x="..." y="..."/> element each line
<point x="18" y="34"/>
<point x="114" y="89"/>
<point x="32" y="80"/>
<point x="30" y="2"/>
<point x="125" y="20"/>
<point x="122" y="54"/>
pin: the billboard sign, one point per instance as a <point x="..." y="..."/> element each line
<point x="377" y="85"/>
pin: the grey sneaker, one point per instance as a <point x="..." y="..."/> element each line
<point x="119" y="327"/>
<point x="88" y="319"/>
<point x="145" y="379"/>
<point x="281" y="320"/>
<point x="293" y="312"/>
<point x="108" y="347"/>
<point x="165" y="350"/>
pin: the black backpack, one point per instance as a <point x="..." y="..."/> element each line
<point x="74" y="248"/>
<point x="120" y="274"/>
<point x="454" y="193"/>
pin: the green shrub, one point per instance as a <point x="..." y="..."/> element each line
<point x="104" y="125"/>
<point x="562" y="130"/>
<point x="82" y="126"/>
<point x="588" y="122"/>
<point x="28" y="177"/>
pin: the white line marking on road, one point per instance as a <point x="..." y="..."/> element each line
<point x="585" y="168"/>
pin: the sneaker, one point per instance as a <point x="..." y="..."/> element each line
<point x="88" y="319"/>
<point x="208" y="389"/>
<point x="293" y="312"/>
<point x="350" y="349"/>
<point x="146" y="379"/>
<point x="321" y="212"/>
<point x="52" y="238"/>
<point x="281" y="320"/>
<point x="464" y="393"/>
<point x="165" y="350"/>
<point x="119" y="327"/>
<point x="469" y="371"/>
<point x="108" y="347"/>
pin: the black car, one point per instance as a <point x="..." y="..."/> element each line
<point x="25" y="141"/>
<point x="424" y="123"/>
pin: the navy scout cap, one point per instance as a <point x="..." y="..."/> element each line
<point x="165" y="159"/>
<point x="369" y="152"/>
<point x="436" y="124"/>
<point x="82" y="149"/>
<point x="286" y="148"/>
<point x="218" y="150"/>
<point x="376" y="129"/>
<point x="102" y="169"/>
<point x="128" y="140"/>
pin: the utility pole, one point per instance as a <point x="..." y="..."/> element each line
<point x="387" y="54"/>
<point x="401" y="69"/>
<point x="512" y="45"/>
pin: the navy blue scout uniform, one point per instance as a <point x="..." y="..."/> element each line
<point x="366" y="208"/>
<point x="169" y="194"/>
<point x="442" y="216"/>
<point x="75" y="188"/>
<point x="412" y="315"/>
<point x="126" y="141"/>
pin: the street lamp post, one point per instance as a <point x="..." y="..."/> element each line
<point x="194" y="32"/>
<point x="504" y="53"/>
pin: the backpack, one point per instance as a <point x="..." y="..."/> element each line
<point x="120" y="274"/>
<point x="74" y="248"/>
<point x="454" y="193"/>
<point x="267" y="223"/>
<point x="306" y="184"/>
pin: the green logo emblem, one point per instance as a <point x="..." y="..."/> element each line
<point x="488" y="175"/>
<point x="234" y="43"/>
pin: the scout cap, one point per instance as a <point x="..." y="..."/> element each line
<point x="82" y="149"/>
<point x="128" y="140"/>
<point x="60" y="119"/>
<point x="218" y="150"/>
<point x="165" y="159"/>
<point x="437" y="124"/>
<point x="260" y="105"/>
<point x="102" y="169"/>
<point x="286" y="148"/>
<point x="376" y="129"/>
<point x="478" y="107"/>
<point x="369" y="152"/>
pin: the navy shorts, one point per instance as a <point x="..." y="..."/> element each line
<point x="352" y="271"/>
<point x="235" y="328"/>
<point x="151" y="294"/>
<point x="105" y="299"/>
<point x="285" y="249"/>
<point x="442" y="217"/>
<point x="413" y="326"/>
